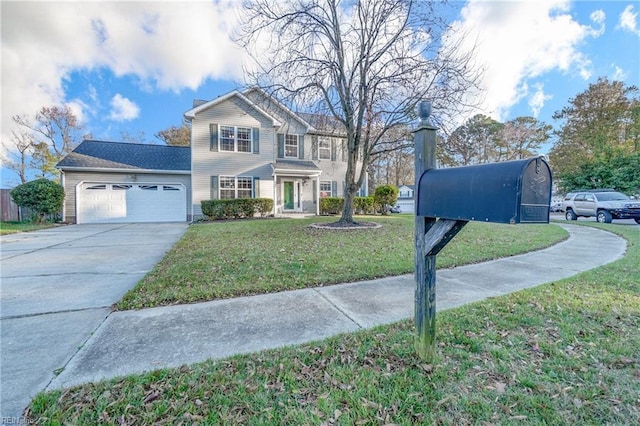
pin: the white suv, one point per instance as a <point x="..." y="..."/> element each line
<point x="605" y="205"/>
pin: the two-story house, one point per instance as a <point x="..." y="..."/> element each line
<point x="243" y="144"/>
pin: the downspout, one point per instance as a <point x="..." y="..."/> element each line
<point x="64" y="203"/>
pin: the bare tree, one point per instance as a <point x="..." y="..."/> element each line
<point x="55" y="132"/>
<point x="392" y="161"/>
<point x="476" y="141"/>
<point x="18" y="152"/>
<point x="366" y="64"/>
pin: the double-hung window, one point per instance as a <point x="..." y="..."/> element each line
<point x="235" y="139"/>
<point x="236" y="187"/>
<point x="291" y="146"/>
<point x="324" y="148"/>
<point x="325" y="188"/>
<point x="244" y="187"/>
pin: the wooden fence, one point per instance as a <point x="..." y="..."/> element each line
<point x="10" y="211"/>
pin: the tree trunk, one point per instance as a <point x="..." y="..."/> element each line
<point x="347" y="208"/>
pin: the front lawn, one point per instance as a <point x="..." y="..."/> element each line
<point x="230" y="259"/>
<point x="565" y="353"/>
<point x="13" y="227"/>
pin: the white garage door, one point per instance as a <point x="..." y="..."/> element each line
<point x="127" y="202"/>
<point x="407" y="206"/>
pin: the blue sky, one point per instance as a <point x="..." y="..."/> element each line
<point x="136" y="67"/>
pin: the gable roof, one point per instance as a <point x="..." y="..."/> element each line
<point x="323" y="124"/>
<point x="92" y="154"/>
<point x="275" y="104"/>
<point x="189" y="115"/>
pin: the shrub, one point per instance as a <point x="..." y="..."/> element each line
<point x="363" y="205"/>
<point x="331" y="205"/>
<point x="263" y="206"/>
<point x="41" y="195"/>
<point x="237" y="208"/>
<point x="385" y="196"/>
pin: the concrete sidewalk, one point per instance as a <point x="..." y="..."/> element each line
<point x="137" y="341"/>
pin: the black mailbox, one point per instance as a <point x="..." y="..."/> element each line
<point x="508" y="192"/>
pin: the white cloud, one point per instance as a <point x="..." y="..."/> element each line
<point x="538" y="99"/>
<point x="520" y="40"/>
<point x="122" y="109"/>
<point x="618" y="73"/>
<point x="628" y="20"/>
<point x="167" y="45"/>
<point x="598" y="17"/>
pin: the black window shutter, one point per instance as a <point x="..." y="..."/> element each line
<point x="333" y="149"/>
<point x="256" y="187"/>
<point x="301" y="147"/>
<point x="213" y="137"/>
<point x="280" y="145"/>
<point x="214" y="187"/>
<point x="343" y="142"/>
<point x="334" y="188"/>
<point x="314" y="147"/>
<point x="256" y="140"/>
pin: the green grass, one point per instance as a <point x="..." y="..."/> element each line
<point x="565" y="353"/>
<point x="231" y="259"/>
<point x="13" y="227"/>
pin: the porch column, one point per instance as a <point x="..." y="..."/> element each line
<point x="275" y="194"/>
<point x="317" y="195"/>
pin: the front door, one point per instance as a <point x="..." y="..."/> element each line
<point x="289" y="198"/>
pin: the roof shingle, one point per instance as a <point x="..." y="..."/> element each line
<point x="120" y="155"/>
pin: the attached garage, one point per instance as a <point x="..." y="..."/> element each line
<point x="112" y="182"/>
<point x="128" y="202"/>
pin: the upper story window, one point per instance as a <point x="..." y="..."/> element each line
<point x="235" y="139"/>
<point x="291" y="146"/>
<point x="324" y="148"/>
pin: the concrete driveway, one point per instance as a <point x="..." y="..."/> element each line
<point x="57" y="287"/>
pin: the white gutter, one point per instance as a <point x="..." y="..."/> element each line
<point x="123" y="170"/>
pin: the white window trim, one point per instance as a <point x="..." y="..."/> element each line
<point x="235" y="138"/>
<point x="297" y="145"/>
<point x="235" y="186"/>
<point x="320" y="191"/>
<point x="327" y="150"/>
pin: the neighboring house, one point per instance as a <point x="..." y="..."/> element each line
<point x="243" y="144"/>
<point x="405" y="191"/>
<point x="406" y="199"/>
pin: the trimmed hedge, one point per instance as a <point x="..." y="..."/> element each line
<point x="240" y="208"/>
<point x="363" y="205"/>
<point x="331" y="205"/>
<point x="334" y="205"/>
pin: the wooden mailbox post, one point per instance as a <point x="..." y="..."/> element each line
<point x="447" y="199"/>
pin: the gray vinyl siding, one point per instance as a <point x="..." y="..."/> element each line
<point x="73" y="178"/>
<point x="333" y="169"/>
<point x="206" y="163"/>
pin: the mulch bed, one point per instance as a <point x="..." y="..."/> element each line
<point x="345" y="226"/>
